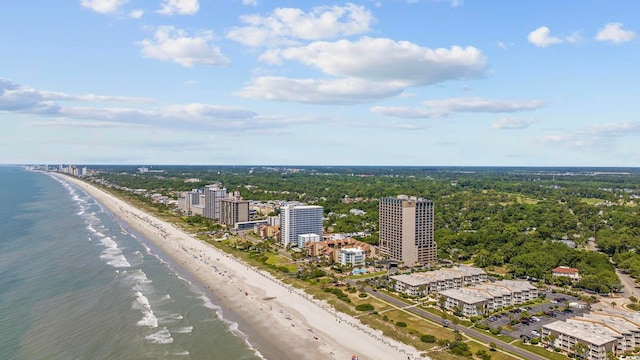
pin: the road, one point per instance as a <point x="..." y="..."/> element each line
<point x="629" y="285"/>
<point x="471" y="332"/>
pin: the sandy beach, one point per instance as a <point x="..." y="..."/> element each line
<point x="282" y="322"/>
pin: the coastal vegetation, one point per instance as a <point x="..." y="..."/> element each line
<point x="525" y="220"/>
<point x="514" y="224"/>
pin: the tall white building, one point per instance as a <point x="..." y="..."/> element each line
<point x="296" y="220"/>
<point x="187" y="199"/>
<point x="406" y="230"/>
<point x="212" y="196"/>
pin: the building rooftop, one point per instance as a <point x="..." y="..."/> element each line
<point x="466" y="270"/>
<point x="565" y="270"/>
<point x="423" y="278"/>
<point x="467" y="296"/>
<point x="516" y="285"/>
<point x="587" y="332"/>
<point x="492" y="290"/>
<point x="618" y="323"/>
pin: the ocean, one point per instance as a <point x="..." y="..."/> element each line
<point x="77" y="283"/>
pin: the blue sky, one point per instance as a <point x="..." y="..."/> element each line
<point x="387" y="82"/>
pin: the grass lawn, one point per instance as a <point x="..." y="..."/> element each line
<point x="591" y="201"/>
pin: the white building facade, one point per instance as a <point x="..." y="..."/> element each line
<point x="351" y="256"/>
<point x="296" y="220"/>
<point x="212" y="196"/>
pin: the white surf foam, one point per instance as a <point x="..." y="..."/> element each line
<point x="209" y="305"/>
<point x="148" y="318"/>
<point x="112" y="254"/>
<point x="171" y="318"/>
<point x="161" y="337"/>
<point x="184" y="330"/>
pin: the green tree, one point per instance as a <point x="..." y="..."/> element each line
<point x="459" y="348"/>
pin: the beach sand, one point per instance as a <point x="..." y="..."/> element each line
<point x="281" y="322"/>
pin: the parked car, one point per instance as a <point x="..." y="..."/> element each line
<point x="535" y="333"/>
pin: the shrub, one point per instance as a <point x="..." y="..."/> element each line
<point x="401" y="324"/>
<point x="482" y="354"/>
<point x="459" y="348"/>
<point x="429" y="339"/>
<point x="364" y="307"/>
<point x="494" y="331"/>
<point x="363" y="295"/>
<point x="337" y="292"/>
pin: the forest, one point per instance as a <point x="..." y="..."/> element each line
<point x="524" y="220"/>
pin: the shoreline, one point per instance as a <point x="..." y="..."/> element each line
<point x="280" y="321"/>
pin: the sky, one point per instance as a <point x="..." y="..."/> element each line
<point x="371" y="82"/>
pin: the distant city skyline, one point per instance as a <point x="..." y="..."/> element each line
<point x="369" y="82"/>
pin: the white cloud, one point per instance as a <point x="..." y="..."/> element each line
<point x="613" y="129"/>
<point x="603" y="136"/>
<point x="171" y="44"/>
<point x="557" y="139"/>
<point x="341" y="91"/>
<point x="136" y="14"/>
<point x="15" y="98"/>
<point x="574" y="38"/>
<point x="444" y="107"/>
<point x="180" y="7"/>
<point x="504" y="46"/>
<point x="482" y="105"/>
<point x="401" y="63"/>
<point x="103" y="6"/>
<point x="288" y="25"/>
<point x="540" y="37"/>
<point x="613" y="32"/>
<point x="403" y="112"/>
<point x="512" y="123"/>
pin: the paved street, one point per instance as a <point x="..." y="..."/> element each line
<point x="482" y="336"/>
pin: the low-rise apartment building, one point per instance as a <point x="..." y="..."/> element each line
<point x="486" y="298"/>
<point x="425" y="283"/>
<point x="599" y="332"/>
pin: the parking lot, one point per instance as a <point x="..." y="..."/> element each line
<point x="553" y="312"/>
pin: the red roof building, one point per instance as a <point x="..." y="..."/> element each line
<point x="566" y="271"/>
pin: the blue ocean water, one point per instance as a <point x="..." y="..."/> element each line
<point x="76" y="283"/>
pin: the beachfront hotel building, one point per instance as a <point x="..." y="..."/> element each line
<point x="296" y="220"/>
<point x="233" y="210"/>
<point x="424" y="283"/>
<point x="212" y="195"/>
<point x="330" y="249"/>
<point x="304" y="239"/>
<point x="486" y="298"/>
<point x="187" y="199"/>
<point x="406" y="230"/>
<point x="351" y="256"/>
